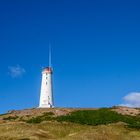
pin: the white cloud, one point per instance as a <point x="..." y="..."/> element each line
<point x="16" y="71"/>
<point x="131" y="100"/>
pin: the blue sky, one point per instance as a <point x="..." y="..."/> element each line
<point x="95" y="51"/>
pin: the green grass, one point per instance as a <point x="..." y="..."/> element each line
<point x="90" y="117"/>
<point x="98" y="117"/>
<point x="45" y="117"/>
<point x="10" y="118"/>
<point x="102" y="124"/>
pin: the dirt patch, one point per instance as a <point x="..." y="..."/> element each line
<point x="126" y="110"/>
<point x="39" y="111"/>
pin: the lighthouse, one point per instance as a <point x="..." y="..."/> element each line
<point x="46" y="94"/>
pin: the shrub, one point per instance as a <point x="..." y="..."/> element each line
<point x="91" y="117"/>
<point x="34" y="120"/>
<point x="45" y="117"/>
<point x="98" y="117"/>
<point x="11" y="118"/>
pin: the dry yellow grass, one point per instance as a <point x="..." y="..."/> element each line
<point x="66" y="131"/>
<point x="18" y="130"/>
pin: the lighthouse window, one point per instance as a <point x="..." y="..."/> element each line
<point x="46" y="77"/>
<point x="46" y="83"/>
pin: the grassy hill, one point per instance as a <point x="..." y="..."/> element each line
<point x="118" y="123"/>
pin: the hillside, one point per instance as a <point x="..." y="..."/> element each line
<point x="117" y="123"/>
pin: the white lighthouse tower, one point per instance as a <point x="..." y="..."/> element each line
<point x="46" y="95"/>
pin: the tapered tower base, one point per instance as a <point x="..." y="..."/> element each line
<point x="46" y="95"/>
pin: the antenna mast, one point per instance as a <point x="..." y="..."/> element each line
<point x="50" y="56"/>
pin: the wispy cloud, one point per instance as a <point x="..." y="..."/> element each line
<point x="131" y="100"/>
<point x="16" y="71"/>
